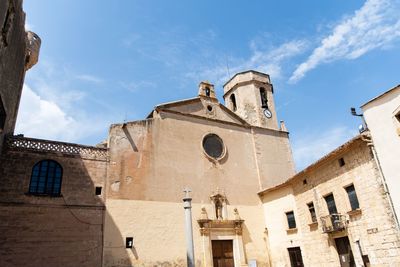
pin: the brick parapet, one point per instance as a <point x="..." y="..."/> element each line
<point x="17" y="143"/>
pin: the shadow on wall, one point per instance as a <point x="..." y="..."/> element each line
<point x="43" y="230"/>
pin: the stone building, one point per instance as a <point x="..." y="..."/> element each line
<point x="120" y="203"/>
<point x="336" y="212"/>
<point x="18" y="52"/>
<point x="382" y="116"/>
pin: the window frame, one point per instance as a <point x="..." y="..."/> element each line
<point x="313" y="214"/>
<point x="354" y="198"/>
<point x="40" y="172"/>
<point x="263" y="97"/>
<point x="232" y="98"/>
<point x="290" y="216"/>
<point x="333" y="201"/>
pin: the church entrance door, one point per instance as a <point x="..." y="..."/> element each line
<point x="222" y="251"/>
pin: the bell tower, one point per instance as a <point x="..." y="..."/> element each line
<point x="250" y="95"/>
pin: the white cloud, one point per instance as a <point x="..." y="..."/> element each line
<point x="268" y="60"/>
<point x="375" y="25"/>
<point x="135" y="86"/>
<point x="313" y="145"/>
<point x="89" y="78"/>
<point x="41" y="118"/>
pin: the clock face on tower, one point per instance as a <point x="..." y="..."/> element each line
<point x="267" y="113"/>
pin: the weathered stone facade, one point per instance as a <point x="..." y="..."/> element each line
<point x="52" y="230"/>
<point x="120" y="204"/>
<point x="152" y="161"/>
<point x="371" y="228"/>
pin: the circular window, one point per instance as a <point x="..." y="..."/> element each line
<point x="213" y="146"/>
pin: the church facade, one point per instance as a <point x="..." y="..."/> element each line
<point x="120" y="203"/>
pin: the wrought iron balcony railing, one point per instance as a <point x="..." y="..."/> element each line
<point x="333" y="223"/>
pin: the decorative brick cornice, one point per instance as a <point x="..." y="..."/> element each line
<point x="18" y="143"/>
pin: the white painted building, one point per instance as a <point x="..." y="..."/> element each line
<point x="382" y="115"/>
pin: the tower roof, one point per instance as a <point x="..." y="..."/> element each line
<point x="244" y="77"/>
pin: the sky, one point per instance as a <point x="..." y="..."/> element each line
<point x="104" y="62"/>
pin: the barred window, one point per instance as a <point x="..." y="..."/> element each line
<point x="46" y="178"/>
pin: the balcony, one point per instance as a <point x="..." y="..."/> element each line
<point x="333" y="223"/>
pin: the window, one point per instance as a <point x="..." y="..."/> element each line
<point x="98" y="190"/>
<point x="208" y="91"/>
<point x="213" y="146"/>
<point x="341" y="162"/>
<point x="129" y="242"/>
<point x="296" y="260"/>
<point x="233" y="102"/>
<point x="351" y="193"/>
<point x="3" y="115"/>
<point x="311" y="209"/>
<point x="291" y="220"/>
<point x="264" y="100"/>
<point x="330" y="203"/>
<point x="46" y="178"/>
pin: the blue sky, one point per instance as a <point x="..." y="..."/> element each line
<point x="104" y="62"/>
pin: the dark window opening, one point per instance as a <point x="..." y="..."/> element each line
<point x="46" y="178"/>
<point x="330" y="202"/>
<point x="3" y="115"/>
<point x="398" y="116"/>
<point x="341" y="162"/>
<point x="311" y="209"/>
<point x="209" y="108"/>
<point x="296" y="260"/>
<point x="264" y="99"/>
<point x="233" y="101"/>
<point x="207" y="91"/>
<point x="291" y="220"/>
<point x="305" y="181"/>
<point x="98" y="190"/>
<point x="351" y="193"/>
<point x="213" y="145"/>
<point x="129" y="242"/>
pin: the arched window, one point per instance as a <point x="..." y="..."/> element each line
<point x="46" y="178"/>
<point x="233" y="101"/>
<point x="263" y="96"/>
<point x="208" y="91"/>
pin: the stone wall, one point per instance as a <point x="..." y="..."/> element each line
<point x="383" y="119"/>
<point x="12" y="63"/>
<point x="152" y="161"/>
<point x="371" y="229"/>
<point x="51" y="231"/>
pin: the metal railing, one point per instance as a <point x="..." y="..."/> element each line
<point x="333" y="223"/>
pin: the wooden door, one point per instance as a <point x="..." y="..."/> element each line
<point x="296" y="260"/>
<point x="222" y="251"/>
<point x="344" y="250"/>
